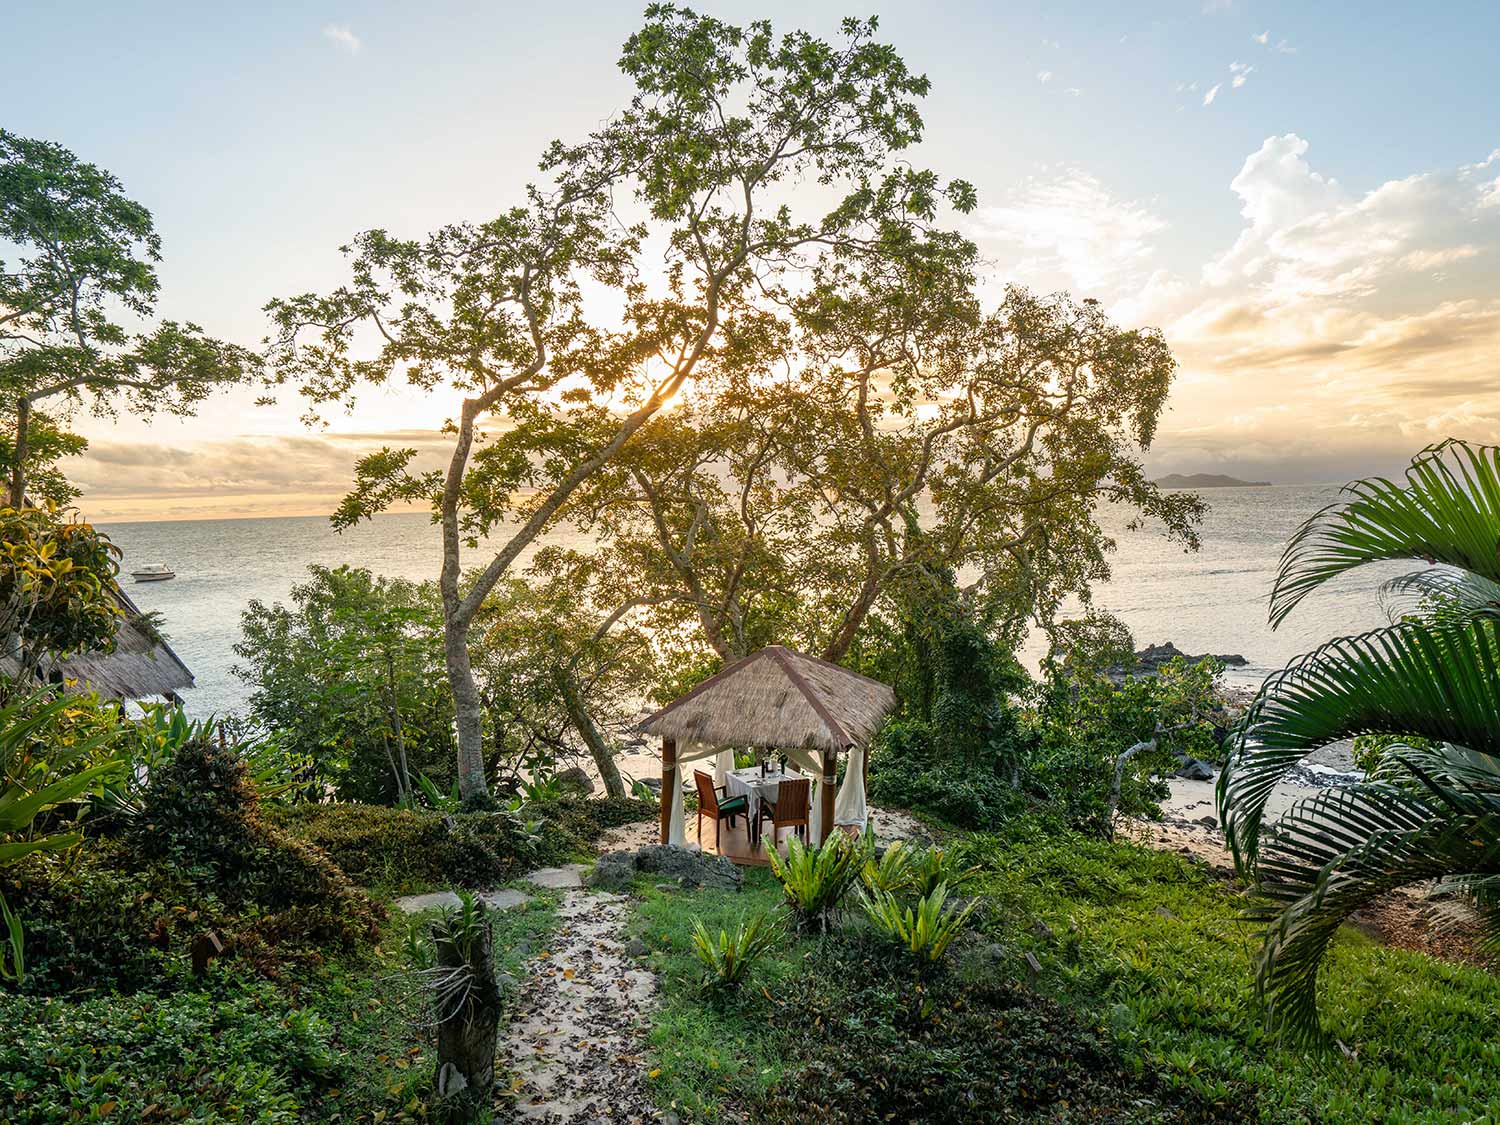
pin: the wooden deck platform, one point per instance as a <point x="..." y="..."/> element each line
<point x="734" y="843"/>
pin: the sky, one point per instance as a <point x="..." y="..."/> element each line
<point x="1305" y="198"/>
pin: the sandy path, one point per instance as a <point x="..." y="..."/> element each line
<point x="575" y="1044"/>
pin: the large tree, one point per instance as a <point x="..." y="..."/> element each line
<point x="666" y="248"/>
<point x="75" y="309"/>
<point x="925" y="438"/>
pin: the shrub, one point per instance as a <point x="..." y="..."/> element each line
<point x="924" y="929"/>
<point x="815" y="880"/>
<point x="201" y="815"/>
<point x="402" y="850"/>
<point x="729" y="957"/>
<point x="875" y="1047"/>
<point x="950" y="792"/>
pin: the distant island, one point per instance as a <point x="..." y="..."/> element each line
<point x="1208" y="480"/>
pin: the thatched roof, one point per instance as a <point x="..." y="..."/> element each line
<point x="779" y="699"/>
<point x="142" y="665"/>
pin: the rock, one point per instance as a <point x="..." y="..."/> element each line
<point x="1152" y="657"/>
<point x="1194" y="769"/>
<point x="1042" y="930"/>
<point x="635" y="947"/>
<point x="693" y="868"/>
<point x="651" y="783"/>
<point x="1208" y="821"/>
<point x="558" y="878"/>
<point x="665" y="887"/>
<point x="612" y="872"/>
<point x="576" y="780"/>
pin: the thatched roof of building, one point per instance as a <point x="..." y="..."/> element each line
<point x="777" y="698"/>
<point x="141" y="666"/>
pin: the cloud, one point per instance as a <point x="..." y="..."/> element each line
<point x="343" y="37"/>
<point x="1044" y="76"/>
<point x="1262" y="38"/>
<point x="1241" y="72"/>
<point x="1335" y="335"/>
<point x="1074" y="91"/>
<point x="1213" y="92"/>
<point x="1071" y="230"/>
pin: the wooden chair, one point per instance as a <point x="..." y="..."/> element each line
<point x="791" y="809"/>
<point x="709" y="803"/>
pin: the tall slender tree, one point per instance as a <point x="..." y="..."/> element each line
<point x="554" y="320"/>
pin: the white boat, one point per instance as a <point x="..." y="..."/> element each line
<point x="155" y="572"/>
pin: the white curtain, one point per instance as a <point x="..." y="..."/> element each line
<point x="723" y="764"/>
<point x="850" y="806"/>
<point x="811" y="762"/>
<point x="686" y="752"/>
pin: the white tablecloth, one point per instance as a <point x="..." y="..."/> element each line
<point x="749" y="784"/>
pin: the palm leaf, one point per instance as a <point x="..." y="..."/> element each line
<point x="1440" y="594"/>
<point x="1440" y="682"/>
<point x="1447" y="512"/>
<point x="1331" y="854"/>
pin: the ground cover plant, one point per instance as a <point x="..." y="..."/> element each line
<point x="1155" y="948"/>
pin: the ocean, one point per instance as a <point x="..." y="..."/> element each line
<point x="1213" y="600"/>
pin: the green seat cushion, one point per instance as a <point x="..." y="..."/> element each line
<point x="732" y="805"/>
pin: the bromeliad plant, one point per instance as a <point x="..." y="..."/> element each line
<point x="1431" y="810"/>
<point x="924" y="929"/>
<point x="729" y="957"/>
<point x="815" y="880"/>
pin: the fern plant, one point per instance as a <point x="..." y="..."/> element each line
<point x="924" y="929"/>
<point x="815" y="880"/>
<point x="727" y="958"/>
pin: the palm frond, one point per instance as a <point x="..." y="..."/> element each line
<point x="1438" y="682"/>
<point x="1331" y="854"/>
<point x="1439" y="594"/>
<point x="1448" y="511"/>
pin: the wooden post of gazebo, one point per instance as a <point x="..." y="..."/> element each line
<point x="668" y="785"/>
<point x="830" y="774"/>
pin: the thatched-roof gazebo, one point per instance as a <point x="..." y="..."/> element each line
<point x="140" y="666"/>
<point x="776" y="699"/>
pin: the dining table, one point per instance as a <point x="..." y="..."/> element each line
<point x="755" y="786"/>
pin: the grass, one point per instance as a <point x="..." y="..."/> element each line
<point x="706" y="1053"/>
<point x="1151" y="944"/>
<point x="1143" y="949"/>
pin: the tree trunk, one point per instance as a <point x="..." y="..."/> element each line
<point x="394" y="703"/>
<point x="1119" y="779"/>
<point x="467" y="1031"/>
<point x="468" y="709"/>
<point x="588" y="730"/>
<point x="19" y="453"/>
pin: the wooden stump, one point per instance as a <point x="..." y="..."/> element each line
<point x="469" y="1017"/>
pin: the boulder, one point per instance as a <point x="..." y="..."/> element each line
<point x="690" y="866"/>
<point x="576" y="780"/>
<point x="613" y="872"/>
<point x="1194" y="769"/>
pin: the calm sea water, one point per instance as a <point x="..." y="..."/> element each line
<point x="1210" y="601"/>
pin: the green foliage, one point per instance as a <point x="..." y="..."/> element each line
<point x="55" y="578"/>
<point x="1085" y="719"/>
<point x="85" y="268"/>
<point x="729" y="957"/>
<point x="837" y="1032"/>
<point x="931" y="867"/>
<point x="351" y="678"/>
<point x="201" y="815"/>
<point x="194" y="1056"/>
<point x="400" y="851"/>
<point x="907" y="773"/>
<point x="43" y="765"/>
<point x="924" y="928"/>
<point x="888" y="871"/>
<point x="815" y="880"/>
<point x="1432" y="810"/>
<point x="1154" y="948"/>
